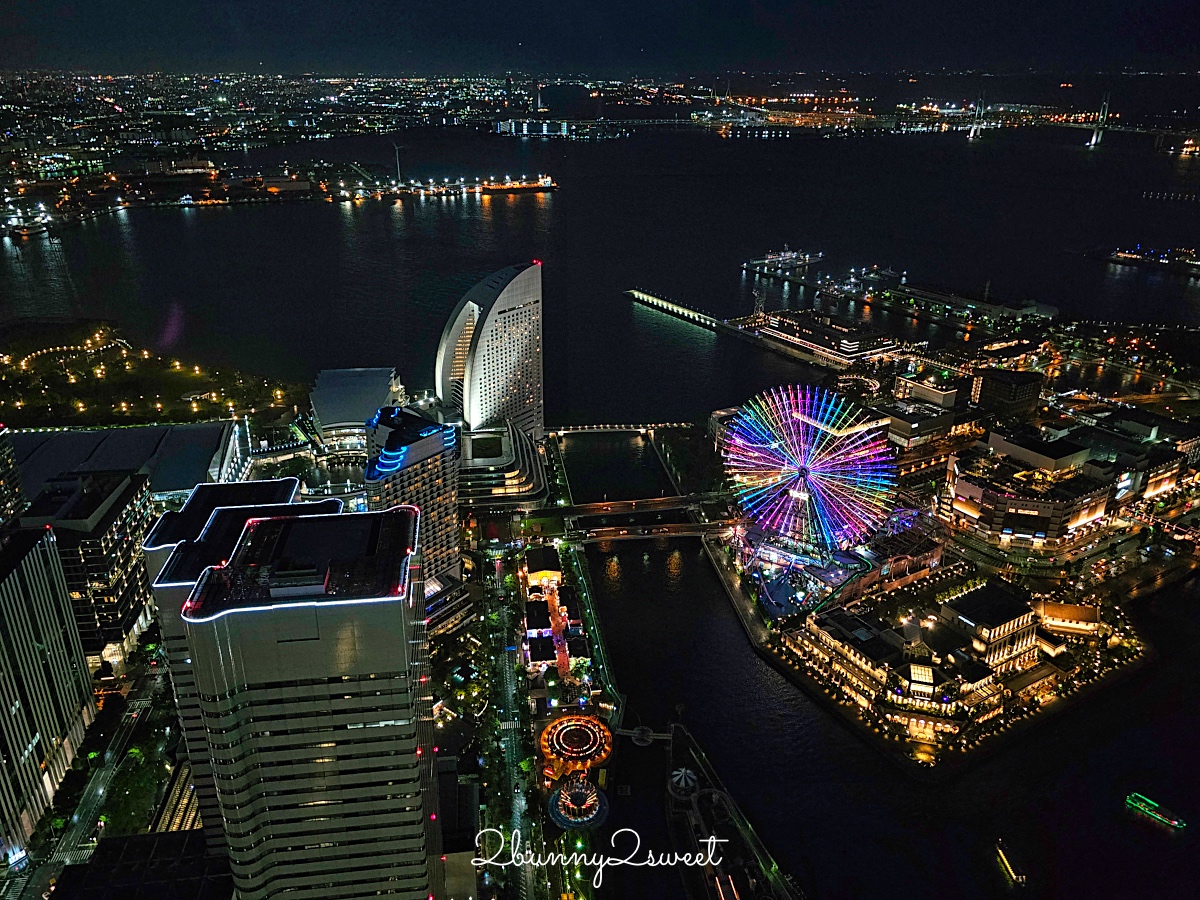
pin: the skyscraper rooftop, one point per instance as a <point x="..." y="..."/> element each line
<point x="310" y="561"/>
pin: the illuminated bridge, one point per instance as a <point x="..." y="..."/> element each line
<point x="653" y="504"/>
<point x="634" y="532"/>
<point x="653" y="426"/>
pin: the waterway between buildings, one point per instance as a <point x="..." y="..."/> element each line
<point x="837" y="814"/>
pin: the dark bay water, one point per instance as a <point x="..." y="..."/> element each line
<point x="846" y="822"/>
<point x="613" y="466"/>
<point x="292" y="288"/>
<point x="843" y="819"/>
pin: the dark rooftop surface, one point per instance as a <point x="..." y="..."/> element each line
<point x="541" y="649"/>
<point x="177" y="457"/>
<point x="349" y="396"/>
<point x="155" y="866"/>
<point x="73" y="500"/>
<point x="286" y="559"/>
<point x="187" y="523"/>
<point x="1035" y="443"/>
<point x="76" y="498"/>
<point x="1176" y="428"/>
<point x="990" y="606"/>
<point x="972" y="670"/>
<point x="537" y="614"/>
<point x="942" y="639"/>
<point x="542" y="559"/>
<point x="15" y="546"/>
<point x="1011" y="376"/>
<point x="220" y="536"/>
<point x="406" y="427"/>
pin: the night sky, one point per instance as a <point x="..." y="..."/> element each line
<point x="596" y="36"/>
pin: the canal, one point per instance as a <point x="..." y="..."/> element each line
<point x="613" y="465"/>
<point x="843" y="819"/>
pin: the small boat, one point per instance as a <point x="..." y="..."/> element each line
<point x="29" y="230"/>
<point x="1013" y="870"/>
<point x="1147" y="807"/>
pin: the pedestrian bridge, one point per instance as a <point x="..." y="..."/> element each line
<point x="641" y="428"/>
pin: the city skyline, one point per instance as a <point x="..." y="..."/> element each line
<point x="791" y="467"/>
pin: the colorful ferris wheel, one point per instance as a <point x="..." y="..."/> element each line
<point x="810" y="468"/>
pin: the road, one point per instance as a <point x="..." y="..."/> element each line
<point x="651" y="504"/>
<point x="75" y="844"/>
<point x="505" y="647"/>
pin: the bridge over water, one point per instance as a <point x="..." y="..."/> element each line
<point x="641" y="428"/>
<point x="632" y="532"/>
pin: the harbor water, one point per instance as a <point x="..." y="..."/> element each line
<point x="289" y="289"/>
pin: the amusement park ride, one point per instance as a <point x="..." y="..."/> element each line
<point x="815" y="478"/>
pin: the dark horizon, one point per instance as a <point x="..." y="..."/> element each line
<point x="621" y="37"/>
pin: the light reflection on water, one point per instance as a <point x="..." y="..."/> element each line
<point x="824" y="801"/>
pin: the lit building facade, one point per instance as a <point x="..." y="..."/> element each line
<point x="306" y="655"/>
<point x="831" y="339"/>
<point x="12" y="498"/>
<point x="1000" y="625"/>
<point x="101" y="519"/>
<point x="45" y="687"/>
<point x="489" y="360"/>
<point x="416" y="461"/>
<point x="179" y="548"/>
<point x="1007" y="392"/>
<point x="501" y="469"/>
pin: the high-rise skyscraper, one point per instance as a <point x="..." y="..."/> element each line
<point x="100" y="519"/>
<point x="12" y="499"/>
<point x="414" y="460"/>
<point x="178" y="549"/>
<point x="489" y="360"/>
<point x="305" y="651"/>
<point x="45" y="689"/>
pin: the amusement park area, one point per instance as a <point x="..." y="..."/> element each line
<point x="866" y="572"/>
<point x="928" y="639"/>
<point x="575" y="713"/>
<point x="941" y="552"/>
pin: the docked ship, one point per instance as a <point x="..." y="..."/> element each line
<point x="28" y="229"/>
<point x="1145" y="806"/>
<point x="538" y="185"/>
<point x="1175" y="259"/>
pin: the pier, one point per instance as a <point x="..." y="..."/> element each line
<point x="704" y="320"/>
<point x="680" y="311"/>
<point x="787" y="262"/>
<point x="962" y="313"/>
